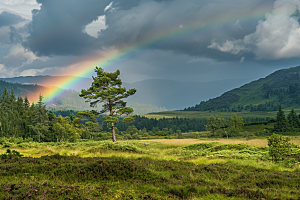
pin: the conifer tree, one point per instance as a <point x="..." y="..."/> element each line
<point x="106" y="88"/>
<point x="280" y="125"/>
<point x="40" y="123"/>
<point x="293" y="121"/>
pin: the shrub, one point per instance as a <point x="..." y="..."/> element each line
<point x="10" y="154"/>
<point x="279" y="147"/>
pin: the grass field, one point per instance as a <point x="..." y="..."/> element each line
<point x="161" y="169"/>
<point x="205" y="114"/>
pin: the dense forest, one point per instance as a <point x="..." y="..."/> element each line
<point x="19" y="118"/>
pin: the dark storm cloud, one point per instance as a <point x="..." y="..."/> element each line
<point x="7" y="19"/>
<point x="150" y="18"/>
<point x="57" y="28"/>
<point x="15" y="36"/>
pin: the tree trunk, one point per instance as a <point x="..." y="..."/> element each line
<point x="113" y="132"/>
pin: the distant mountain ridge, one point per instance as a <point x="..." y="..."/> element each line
<point x="55" y="81"/>
<point x="265" y="94"/>
<point x="167" y="94"/>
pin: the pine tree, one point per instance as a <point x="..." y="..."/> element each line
<point x="106" y="88"/>
<point x="40" y="121"/>
<point x="280" y="125"/>
<point x="293" y="121"/>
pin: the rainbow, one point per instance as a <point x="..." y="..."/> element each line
<point x="121" y="55"/>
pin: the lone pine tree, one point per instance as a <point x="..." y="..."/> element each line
<point x="106" y="88"/>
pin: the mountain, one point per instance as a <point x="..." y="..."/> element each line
<point x="281" y="87"/>
<point x="167" y="94"/>
<point x="55" y="81"/>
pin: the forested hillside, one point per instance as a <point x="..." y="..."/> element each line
<point x="281" y="87"/>
<point x="68" y="100"/>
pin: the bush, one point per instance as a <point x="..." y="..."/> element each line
<point x="10" y="154"/>
<point x="161" y="133"/>
<point x="279" y="147"/>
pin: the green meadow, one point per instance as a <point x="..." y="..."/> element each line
<point x="148" y="169"/>
<point x="205" y="114"/>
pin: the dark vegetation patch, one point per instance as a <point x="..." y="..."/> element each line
<point x="119" y="178"/>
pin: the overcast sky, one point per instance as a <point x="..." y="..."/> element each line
<point x="191" y="40"/>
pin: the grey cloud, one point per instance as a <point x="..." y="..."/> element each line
<point x="15" y="36"/>
<point x="57" y="28"/>
<point x="151" y="18"/>
<point x="7" y="19"/>
<point x="276" y="37"/>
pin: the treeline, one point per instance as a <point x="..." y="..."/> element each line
<point x="20" y="119"/>
<point x="153" y="125"/>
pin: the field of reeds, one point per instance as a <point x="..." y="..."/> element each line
<point x="150" y="169"/>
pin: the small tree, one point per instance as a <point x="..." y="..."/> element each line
<point x="279" y="146"/>
<point x="106" y="88"/>
<point x="214" y="124"/>
<point x="235" y="124"/>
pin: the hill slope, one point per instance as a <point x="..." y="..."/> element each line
<point x="69" y="99"/>
<point x="280" y="87"/>
<point x="56" y="81"/>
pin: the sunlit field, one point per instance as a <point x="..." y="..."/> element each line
<point x="256" y="142"/>
<point x="149" y="169"/>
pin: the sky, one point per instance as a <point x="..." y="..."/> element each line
<point x="191" y="40"/>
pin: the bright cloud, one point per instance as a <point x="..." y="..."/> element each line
<point x="93" y="28"/>
<point x="18" y="52"/>
<point x="277" y="37"/>
<point x="33" y="72"/>
<point x="18" y="2"/>
<point x="4" y="72"/>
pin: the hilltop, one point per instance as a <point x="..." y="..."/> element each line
<point x="265" y="94"/>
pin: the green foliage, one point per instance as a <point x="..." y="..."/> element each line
<point x="218" y="150"/>
<point x="293" y="121"/>
<point x="72" y="177"/>
<point x="214" y="124"/>
<point x="106" y="88"/>
<point x="280" y="125"/>
<point x="264" y="94"/>
<point x="10" y="154"/>
<point x="279" y="147"/>
<point x="201" y="146"/>
<point x="161" y="133"/>
<point x="235" y="124"/>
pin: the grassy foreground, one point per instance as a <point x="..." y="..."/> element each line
<point x="161" y="169"/>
